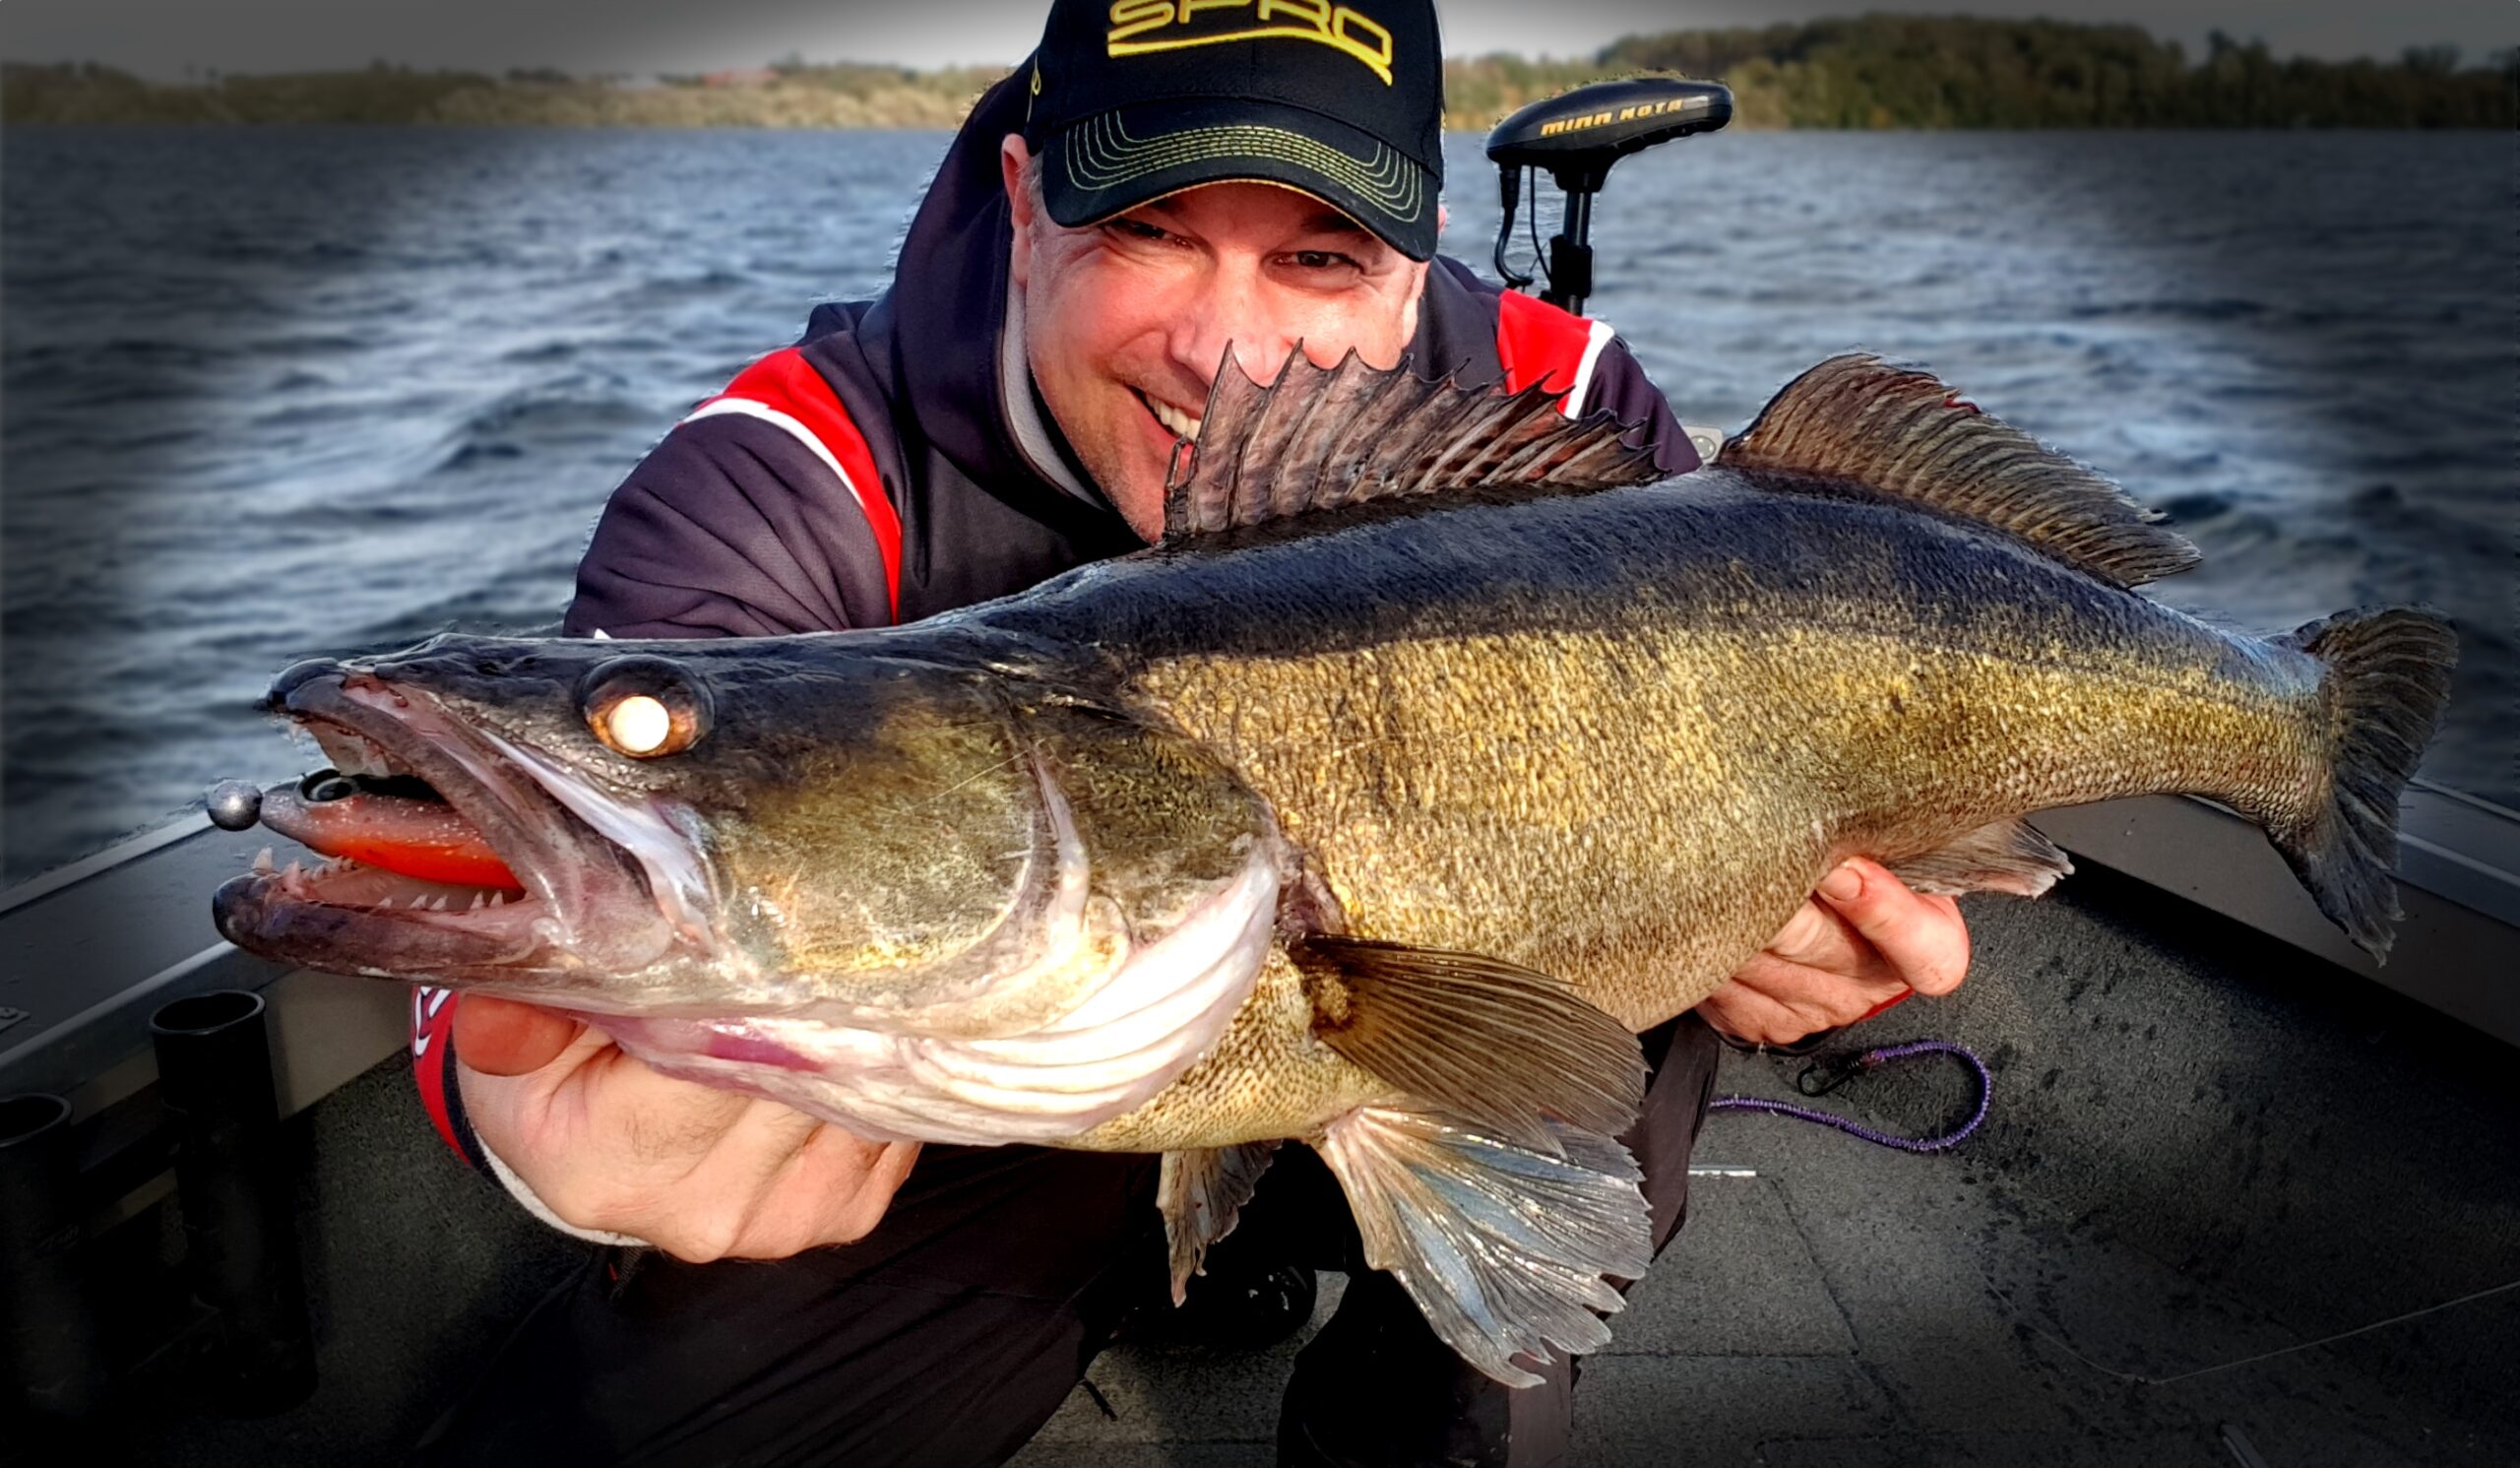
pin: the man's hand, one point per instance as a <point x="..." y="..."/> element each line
<point x="1862" y="944"/>
<point x="703" y="1174"/>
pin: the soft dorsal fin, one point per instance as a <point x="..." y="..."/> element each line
<point x="1856" y="418"/>
<point x="1319" y="437"/>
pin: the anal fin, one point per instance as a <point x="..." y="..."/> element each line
<point x="1479" y="1037"/>
<point x="1202" y="1194"/>
<point x="1504" y="1248"/>
<point x="2005" y="856"/>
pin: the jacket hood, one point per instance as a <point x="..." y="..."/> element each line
<point x="951" y="286"/>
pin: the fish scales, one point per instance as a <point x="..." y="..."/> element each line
<point x="1699" y="695"/>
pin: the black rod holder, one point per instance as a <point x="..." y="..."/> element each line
<point x="1570" y="255"/>
<point x="240" y="1227"/>
<point x="54" y="1353"/>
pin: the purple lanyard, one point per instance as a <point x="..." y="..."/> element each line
<point x="1841" y="1072"/>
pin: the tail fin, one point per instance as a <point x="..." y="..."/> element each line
<point x="2387" y="676"/>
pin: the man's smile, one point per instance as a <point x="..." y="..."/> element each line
<point x="1176" y="421"/>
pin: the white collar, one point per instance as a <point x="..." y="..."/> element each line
<point x="1023" y="412"/>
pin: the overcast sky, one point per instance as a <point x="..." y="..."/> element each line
<point x="161" y="38"/>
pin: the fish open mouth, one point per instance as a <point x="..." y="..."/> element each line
<point x="456" y="853"/>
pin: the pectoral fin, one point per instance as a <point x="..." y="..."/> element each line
<point x="2006" y="855"/>
<point x="1502" y="1247"/>
<point x="1476" y="1038"/>
<point x="1202" y="1194"/>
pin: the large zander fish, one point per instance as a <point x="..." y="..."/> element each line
<point x="1430" y="756"/>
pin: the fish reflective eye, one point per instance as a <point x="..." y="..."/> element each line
<point x="644" y="707"/>
<point x="638" y="725"/>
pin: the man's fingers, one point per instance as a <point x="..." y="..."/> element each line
<point x="1923" y="938"/>
<point x="1787" y="999"/>
<point x="833" y="1190"/>
<point x="1746" y="1014"/>
<point x="873" y="1194"/>
<point x="500" y="1037"/>
<point x="1816" y="937"/>
<point x="606" y="1142"/>
<point x="830" y="1187"/>
<point x="661" y="1123"/>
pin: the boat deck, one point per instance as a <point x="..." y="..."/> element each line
<point x="2194" y="1157"/>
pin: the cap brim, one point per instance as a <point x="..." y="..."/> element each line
<point x="1121" y="160"/>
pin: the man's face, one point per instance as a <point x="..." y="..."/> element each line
<point x="1126" y="321"/>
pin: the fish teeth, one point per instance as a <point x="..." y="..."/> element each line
<point x="349" y="753"/>
<point x="498" y="899"/>
<point x="385" y="905"/>
<point x="263" y="861"/>
<point x="477" y="899"/>
<point x="437" y="904"/>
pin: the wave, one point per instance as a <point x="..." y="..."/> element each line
<point x="532" y="424"/>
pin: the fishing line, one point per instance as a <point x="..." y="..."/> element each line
<point x="2141" y="1380"/>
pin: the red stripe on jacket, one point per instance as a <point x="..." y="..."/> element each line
<point x="785" y="382"/>
<point x="432" y="1031"/>
<point x="1536" y="342"/>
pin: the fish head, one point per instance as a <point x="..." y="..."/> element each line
<point x="841" y="829"/>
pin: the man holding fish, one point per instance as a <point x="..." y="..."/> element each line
<point x="1165" y="188"/>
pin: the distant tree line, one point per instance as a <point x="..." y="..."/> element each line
<point x="843" y="95"/>
<point x="85" y="92"/>
<point x="1952" y="71"/>
<point x="1875" y="71"/>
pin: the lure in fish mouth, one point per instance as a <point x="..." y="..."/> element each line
<point x="523" y="885"/>
<point x="915" y="892"/>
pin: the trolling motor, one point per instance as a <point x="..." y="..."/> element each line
<point x="1576" y="138"/>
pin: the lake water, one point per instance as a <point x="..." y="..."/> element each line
<point x="277" y="393"/>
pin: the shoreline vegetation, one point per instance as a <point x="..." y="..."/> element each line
<point x="1875" y="71"/>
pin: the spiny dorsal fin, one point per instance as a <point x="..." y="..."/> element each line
<point x="1486" y="1040"/>
<point x="1858" y="418"/>
<point x="1319" y="437"/>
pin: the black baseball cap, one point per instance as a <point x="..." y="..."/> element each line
<point x="1139" y="98"/>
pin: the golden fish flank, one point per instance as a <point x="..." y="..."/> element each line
<point x="1679" y="773"/>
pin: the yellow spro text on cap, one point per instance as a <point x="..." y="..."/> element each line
<point x="1141" y="27"/>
